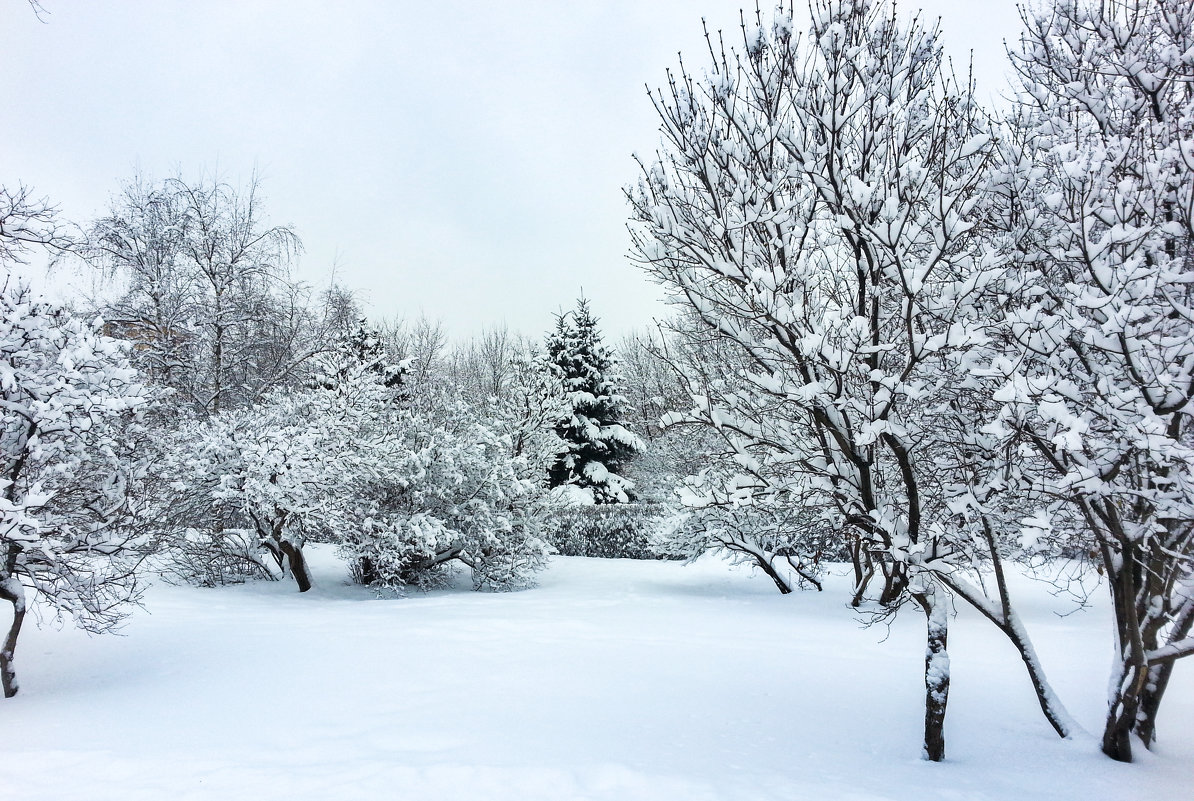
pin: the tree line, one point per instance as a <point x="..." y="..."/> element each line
<point x="948" y="338"/>
<point x="210" y="416"/>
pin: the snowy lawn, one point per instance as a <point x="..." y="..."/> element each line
<point x="613" y="680"/>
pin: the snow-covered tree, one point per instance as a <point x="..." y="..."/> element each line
<point x="814" y="207"/>
<point x="532" y="403"/>
<point x="785" y="538"/>
<point x="449" y="491"/>
<point x="67" y="539"/>
<point x="362" y="348"/>
<point x="598" y="443"/>
<point x="1098" y="384"/>
<point x="206" y="297"/>
<point x="405" y="492"/>
<point x="28" y="222"/>
<point x="693" y="469"/>
<point x="281" y="468"/>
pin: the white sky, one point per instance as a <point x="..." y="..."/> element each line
<point x="462" y="158"/>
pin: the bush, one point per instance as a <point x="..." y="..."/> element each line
<point x="448" y="494"/>
<point x="212" y="557"/>
<point x="609" y="531"/>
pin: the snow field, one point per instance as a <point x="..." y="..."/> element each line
<point x="612" y="680"/>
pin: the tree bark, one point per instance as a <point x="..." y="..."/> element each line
<point x="1132" y="670"/>
<point x="1057" y="716"/>
<point x="1158" y="680"/>
<point x="773" y="574"/>
<point x="11" y="591"/>
<point x="864" y="569"/>
<point x="936" y="670"/>
<point x="1121" y="715"/>
<point x="1007" y="621"/>
<point x="1150" y="702"/>
<point x="366" y="571"/>
<point x="298" y="565"/>
<point x="895" y="580"/>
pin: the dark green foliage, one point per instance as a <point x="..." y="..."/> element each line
<point x="363" y="347"/>
<point x="598" y="442"/>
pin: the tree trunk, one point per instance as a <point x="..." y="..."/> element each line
<point x="298" y="564"/>
<point x="1121" y="714"/>
<point x="769" y="569"/>
<point x="1150" y="702"/>
<point x="931" y="601"/>
<point x="1007" y="621"/>
<point x="11" y="591"/>
<point x="366" y="571"/>
<point x="895" y="582"/>
<point x="1055" y="713"/>
<point x="1131" y="672"/>
<point x="1158" y="680"/>
<point x="864" y="569"/>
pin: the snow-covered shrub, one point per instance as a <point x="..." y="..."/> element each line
<point x="448" y="492"/>
<point x="609" y="531"/>
<point x="270" y="468"/>
<point x="404" y="491"/>
<point x="779" y="533"/>
<point x="281" y="469"/>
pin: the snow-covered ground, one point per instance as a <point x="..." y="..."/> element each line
<point x="613" y="680"/>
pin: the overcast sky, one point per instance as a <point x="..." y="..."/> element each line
<point x="464" y="159"/>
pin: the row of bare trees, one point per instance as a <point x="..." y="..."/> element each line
<point x="959" y="338"/>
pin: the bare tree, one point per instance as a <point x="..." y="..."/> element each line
<point x="140" y="242"/>
<point x="814" y="207"/>
<point x="481" y="367"/>
<point x="1099" y="209"/>
<point x="28" y="222"/>
<point x="208" y="300"/>
<point x="423" y="345"/>
<point x="235" y="256"/>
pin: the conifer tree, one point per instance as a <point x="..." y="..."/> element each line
<point x="597" y="442"/>
<point x="363" y="348"/>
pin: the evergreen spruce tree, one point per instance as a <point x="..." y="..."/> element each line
<point x="363" y="348"/>
<point x="597" y="442"/>
<point x="366" y="346"/>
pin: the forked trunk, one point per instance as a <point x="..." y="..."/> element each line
<point x="864" y="569"/>
<point x="1158" y="680"/>
<point x="895" y="581"/>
